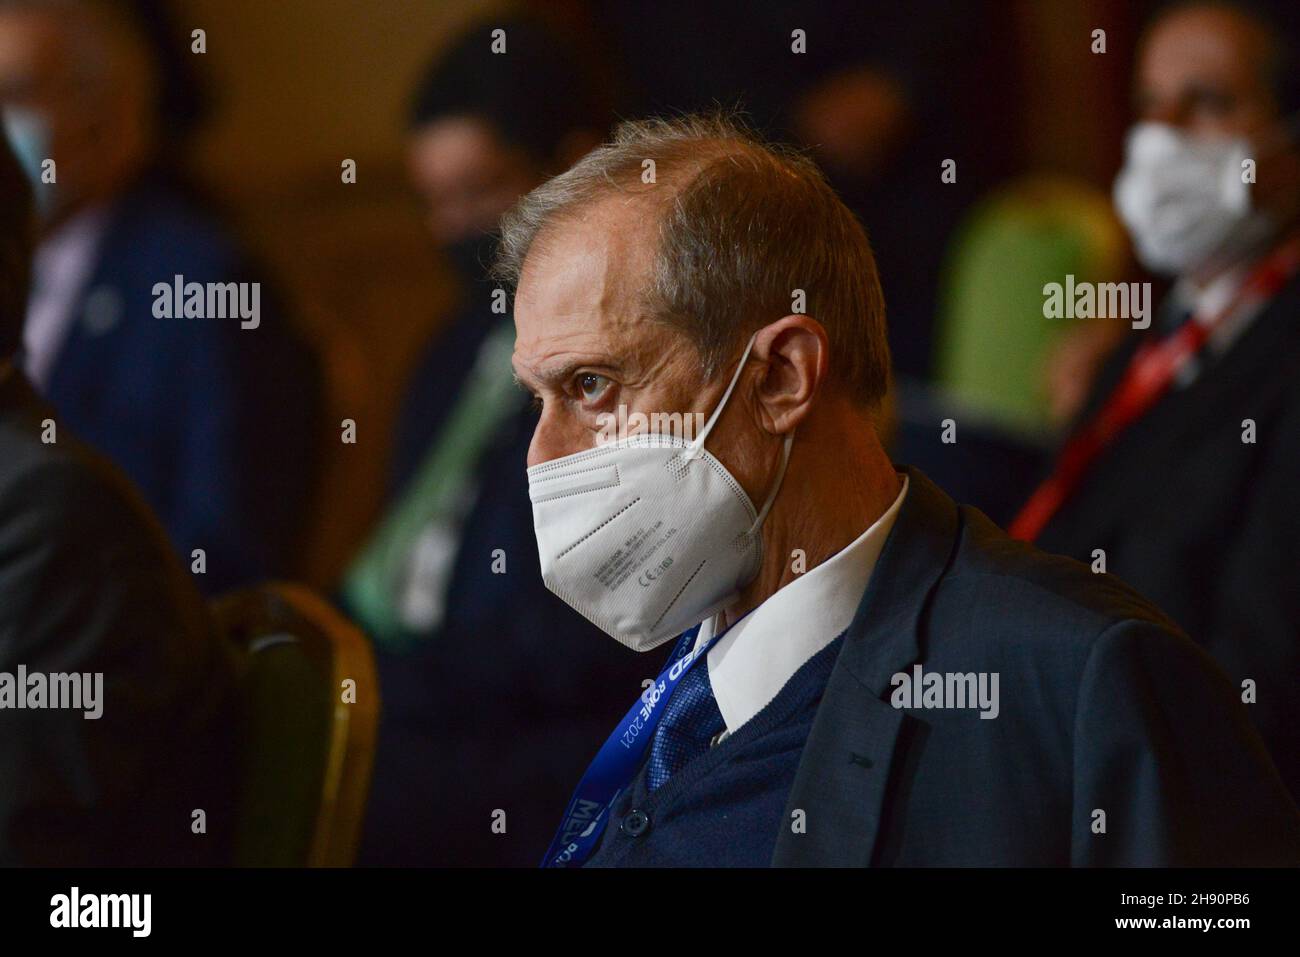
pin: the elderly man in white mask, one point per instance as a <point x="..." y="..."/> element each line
<point x="861" y="671"/>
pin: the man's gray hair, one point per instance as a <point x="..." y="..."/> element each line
<point x="743" y="225"/>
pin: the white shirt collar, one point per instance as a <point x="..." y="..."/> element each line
<point x="1206" y="300"/>
<point x="1205" y="303"/>
<point x="795" y="623"/>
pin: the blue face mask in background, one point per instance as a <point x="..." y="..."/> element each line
<point x="28" y="133"/>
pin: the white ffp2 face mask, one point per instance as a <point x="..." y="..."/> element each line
<point x="1183" y="199"/>
<point x="649" y="535"/>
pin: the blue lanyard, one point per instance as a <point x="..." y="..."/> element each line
<point x="616" y="762"/>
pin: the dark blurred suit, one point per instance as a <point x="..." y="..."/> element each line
<point x="88" y="583"/>
<point x="217" y="425"/>
<point x="1206" y="525"/>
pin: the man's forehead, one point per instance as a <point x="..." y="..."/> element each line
<point x="1202" y="43"/>
<point x="582" y="283"/>
<point x="449" y="144"/>
<point x="549" y="351"/>
<point x="603" y="244"/>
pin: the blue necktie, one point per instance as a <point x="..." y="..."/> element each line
<point x="691" y="719"/>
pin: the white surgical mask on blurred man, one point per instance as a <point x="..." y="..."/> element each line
<point x="648" y="536"/>
<point x="1184" y="199"/>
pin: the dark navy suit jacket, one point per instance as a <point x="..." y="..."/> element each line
<point x="1206" y="524"/>
<point x="1105" y="706"/>
<point x="216" y="425"/>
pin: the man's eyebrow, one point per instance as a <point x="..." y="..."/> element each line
<point x="520" y="383"/>
<point x="558" y="373"/>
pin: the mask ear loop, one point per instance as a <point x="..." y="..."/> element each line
<point x="696" y="445"/>
<point x="693" y="450"/>
<point x="776" y="486"/>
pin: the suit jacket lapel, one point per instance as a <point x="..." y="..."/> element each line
<point x="843" y="775"/>
<point x="78" y="375"/>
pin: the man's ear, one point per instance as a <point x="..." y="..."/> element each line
<point x="797" y="354"/>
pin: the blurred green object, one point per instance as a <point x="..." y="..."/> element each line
<point x="992" y="341"/>
<point x="396" y="588"/>
<point x="289" y="710"/>
<point x="310" y="714"/>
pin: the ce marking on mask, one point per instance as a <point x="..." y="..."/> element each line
<point x="651" y="575"/>
<point x="634" y="554"/>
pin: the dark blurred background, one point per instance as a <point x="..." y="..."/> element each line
<point x="299" y="85"/>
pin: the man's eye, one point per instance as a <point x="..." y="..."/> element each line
<point x="592" y="386"/>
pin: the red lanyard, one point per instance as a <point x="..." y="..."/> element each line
<point x="1149" y="375"/>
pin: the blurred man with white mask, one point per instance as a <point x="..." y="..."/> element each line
<point x="1180" y="475"/>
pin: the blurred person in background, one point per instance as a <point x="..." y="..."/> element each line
<point x="214" y="422"/>
<point x="882" y="93"/>
<point x="475" y="717"/>
<point x="999" y="361"/>
<point x="88" y="584"/>
<point x="1181" y="473"/>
